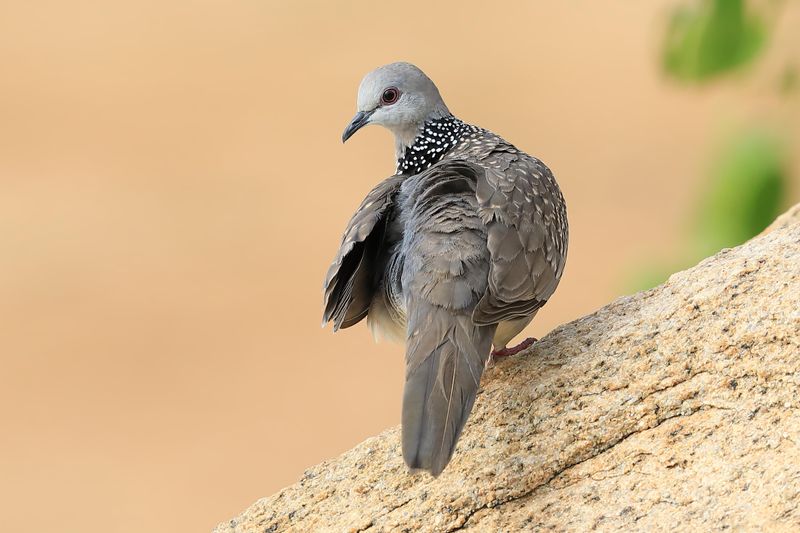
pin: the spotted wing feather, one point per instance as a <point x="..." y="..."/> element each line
<point x="527" y="232"/>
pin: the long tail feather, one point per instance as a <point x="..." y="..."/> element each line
<point x="445" y="363"/>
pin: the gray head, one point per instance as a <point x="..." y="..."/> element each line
<point x="399" y="97"/>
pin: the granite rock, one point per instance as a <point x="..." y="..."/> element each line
<point x="677" y="408"/>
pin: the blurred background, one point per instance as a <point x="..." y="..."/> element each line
<point x="173" y="187"/>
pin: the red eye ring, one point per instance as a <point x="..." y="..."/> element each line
<point x="390" y="95"/>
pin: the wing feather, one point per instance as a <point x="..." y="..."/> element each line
<point x="351" y="278"/>
<point x="527" y="233"/>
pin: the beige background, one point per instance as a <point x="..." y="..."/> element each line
<point x="173" y="187"/>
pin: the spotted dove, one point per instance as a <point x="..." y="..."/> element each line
<point x="453" y="254"/>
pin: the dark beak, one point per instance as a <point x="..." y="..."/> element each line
<point x="359" y="121"/>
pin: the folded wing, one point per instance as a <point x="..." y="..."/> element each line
<point x="523" y="210"/>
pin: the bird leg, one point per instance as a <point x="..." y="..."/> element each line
<point x="505" y="352"/>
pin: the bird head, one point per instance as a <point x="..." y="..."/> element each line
<point x="399" y="97"/>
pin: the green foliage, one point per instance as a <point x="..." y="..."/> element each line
<point x="712" y="38"/>
<point x="748" y="184"/>
<point x="746" y="192"/>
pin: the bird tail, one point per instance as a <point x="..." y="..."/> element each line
<point x="445" y="357"/>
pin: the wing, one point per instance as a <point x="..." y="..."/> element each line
<point x="350" y="282"/>
<point x="524" y="211"/>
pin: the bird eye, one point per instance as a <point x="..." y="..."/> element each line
<point x="390" y="96"/>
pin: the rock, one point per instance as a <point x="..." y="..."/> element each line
<point x="675" y="408"/>
<point x="788" y="218"/>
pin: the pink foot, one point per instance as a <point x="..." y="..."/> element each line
<point x="505" y="352"/>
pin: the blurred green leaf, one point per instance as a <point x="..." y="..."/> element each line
<point x="711" y="38"/>
<point x="746" y="193"/>
<point x="789" y="80"/>
<point x="647" y="276"/>
<point x="748" y="182"/>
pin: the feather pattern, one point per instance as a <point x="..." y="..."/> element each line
<point x="524" y="212"/>
<point x="447" y="254"/>
<point x="460" y="249"/>
<point x="444" y="276"/>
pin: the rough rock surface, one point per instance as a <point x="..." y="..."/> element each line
<point x="787" y="219"/>
<point x="674" y="409"/>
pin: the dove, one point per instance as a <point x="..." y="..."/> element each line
<point x="453" y="255"/>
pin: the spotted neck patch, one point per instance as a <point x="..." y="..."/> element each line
<point x="437" y="137"/>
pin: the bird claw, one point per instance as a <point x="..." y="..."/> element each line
<point x="506" y="352"/>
